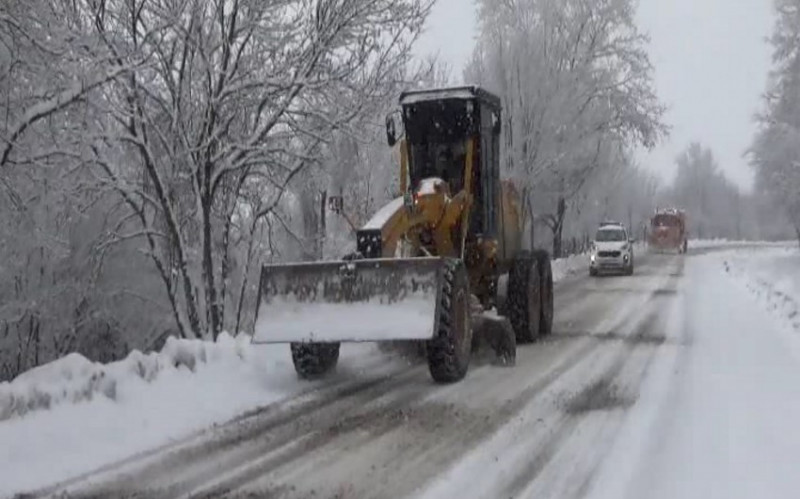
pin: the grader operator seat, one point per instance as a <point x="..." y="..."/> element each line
<point x="440" y="125"/>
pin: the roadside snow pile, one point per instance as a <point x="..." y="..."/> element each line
<point x="74" y="378"/>
<point x="563" y="267"/>
<point x="73" y="416"/>
<point x="773" y="276"/>
<point x="721" y="243"/>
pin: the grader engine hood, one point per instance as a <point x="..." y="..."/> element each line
<point x="349" y="301"/>
<point x="429" y="203"/>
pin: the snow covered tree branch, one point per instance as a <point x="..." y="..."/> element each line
<point x="576" y="81"/>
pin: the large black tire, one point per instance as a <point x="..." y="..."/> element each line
<point x="449" y="351"/>
<point x="546" y="280"/>
<point x="313" y="360"/>
<point x="524" y="306"/>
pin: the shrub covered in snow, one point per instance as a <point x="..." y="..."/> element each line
<point x="74" y="378"/>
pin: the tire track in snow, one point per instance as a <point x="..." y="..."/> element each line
<point x="239" y="432"/>
<point x="243" y="428"/>
<point x="599" y="411"/>
<point x="525" y="449"/>
<point x="281" y="452"/>
<point x="430" y="417"/>
<point x="394" y="434"/>
<point x="601" y="394"/>
<point x="607" y="402"/>
<point x="343" y="383"/>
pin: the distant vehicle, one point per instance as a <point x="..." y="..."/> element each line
<point x="612" y="250"/>
<point x="668" y="231"/>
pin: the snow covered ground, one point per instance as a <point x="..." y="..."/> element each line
<point x="105" y="413"/>
<point x="723" y="243"/>
<point x="72" y="416"/>
<point x="570" y="265"/>
<point x="773" y="278"/>
<point x="718" y="417"/>
<point x="679" y="381"/>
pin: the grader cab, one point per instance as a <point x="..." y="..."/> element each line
<point x="451" y="238"/>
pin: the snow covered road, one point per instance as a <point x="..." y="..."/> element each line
<point x="724" y="422"/>
<point x="669" y="383"/>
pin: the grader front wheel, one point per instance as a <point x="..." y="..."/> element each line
<point x="449" y="351"/>
<point x="313" y="360"/>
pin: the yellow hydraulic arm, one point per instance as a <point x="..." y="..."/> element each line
<point x="431" y="207"/>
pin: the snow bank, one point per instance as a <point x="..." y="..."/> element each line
<point x="73" y="416"/>
<point x="574" y="264"/>
<point x="74" y="378"/>
<point x="721" y="243"/>
<point x="773" y="277"/>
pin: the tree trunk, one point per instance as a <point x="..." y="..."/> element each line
<point x="36" y="341"/>
<point x="137" y="128"/>
<point x="322" y="225"/>
<point x="225" y="270"/>
<point x="630" y="219"/>
<point x="558" y="227"/>
<point x="737" y="201"/>
<point x="212" y="310"/>
<point x="311" y="225"/>
<point x="245" y="275"/>
<point x="797" y="232"/>
<point x="226" y="254"/>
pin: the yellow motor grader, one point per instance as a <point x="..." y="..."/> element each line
<point x="453" y="237"/>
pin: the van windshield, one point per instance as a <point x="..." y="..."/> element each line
<point x="610" y="235"/>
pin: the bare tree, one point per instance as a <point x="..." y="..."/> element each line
<point x="576" y="83"/>
<point x="174" y="131"/>
<point x="233" y="94"/>
<point x="775" y="152"/>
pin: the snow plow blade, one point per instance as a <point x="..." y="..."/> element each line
<point x="349" y="301"/>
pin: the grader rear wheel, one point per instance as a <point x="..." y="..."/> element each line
<point x="524" y="305"/>
<point x="546" y="275"/>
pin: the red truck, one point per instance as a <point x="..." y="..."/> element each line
<point x="668" y="231"/>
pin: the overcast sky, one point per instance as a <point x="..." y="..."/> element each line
<point x="710" y="60"/>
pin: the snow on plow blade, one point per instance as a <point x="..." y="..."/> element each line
<point x="349" y="301"/>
